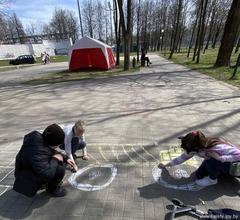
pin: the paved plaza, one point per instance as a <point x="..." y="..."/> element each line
<point x="133" y="122"/>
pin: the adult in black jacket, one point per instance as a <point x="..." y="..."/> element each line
<point x="38" y="163"/>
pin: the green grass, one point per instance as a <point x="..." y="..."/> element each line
<point x="53" y="59"/>
<point x="206" y="65"/>
<point x="66" y="75"/>
<point x="4" y="63"/>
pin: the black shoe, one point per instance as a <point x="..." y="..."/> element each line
<point x="43" y="186"/>
<point x="58" y="192"/>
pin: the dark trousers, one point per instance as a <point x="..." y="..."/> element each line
<point x="145" y="59"/>
<point x="75" y="145"/>
<point x="28" y="183"/>
<point x="212" y="168"/>
<point x="58" y="177"/>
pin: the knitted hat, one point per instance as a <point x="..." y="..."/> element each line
<point x="53" y="135"/>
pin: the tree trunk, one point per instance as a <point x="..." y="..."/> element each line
<point x="210" y="28"/>
<point x="205" y="2"/>
<point x="117" y="32"/>
<point x="180" y="41"/>
<point x="118" y="45"/>
<point x="229" y="36"/>
<point x="198" y="31"/>
<point x="238" y="45"/>
<point x="208" y="18"/>
<point x="191" y="40"/>
<point x="177" y="27"/>
<point x="236" y="67"/>
<point x="237" y="41"/>
<point x="138" y="29"/>
<point x="126" y="30"/>
<point x="215" y="37"/>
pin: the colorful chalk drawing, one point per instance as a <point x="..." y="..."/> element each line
<point x="93" y="177"/>
<point x="173" y="152"/>
<point x="165" y="157"/>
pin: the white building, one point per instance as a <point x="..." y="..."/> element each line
<point x="9" y="51"/>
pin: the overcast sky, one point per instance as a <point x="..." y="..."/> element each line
<point x="41" y="11"/>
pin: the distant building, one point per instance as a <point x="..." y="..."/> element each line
<point x="36" y="48"/>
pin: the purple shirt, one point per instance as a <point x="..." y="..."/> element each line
<point x="227" y="153"/>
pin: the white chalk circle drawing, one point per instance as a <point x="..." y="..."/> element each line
<point x="93" y="177"/>
<point x="157" y="176"/>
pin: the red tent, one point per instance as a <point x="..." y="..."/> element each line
<point x="91" y="54"/>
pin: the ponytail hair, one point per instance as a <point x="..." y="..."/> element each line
<point x="208" y="142"/>
<point x="196" y="140"/>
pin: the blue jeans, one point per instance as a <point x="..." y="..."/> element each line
<point x="212" y="168"/>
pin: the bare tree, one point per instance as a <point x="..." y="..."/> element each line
<point x="212" y="15"/>
<point x="31" y="30"/>
<point x="72" y="26"/>
<point x="99" y="20"/>
<point x="5" y="5"/>
<point x="229" y="36"/>
<point x="202" y="25"/>
<point x="126" y="30"/>
<point x="89" y="17"/>
<point x="176" y="28"/>
<point x="238" y="45"/>
<point x="3" y="29"/>
<point x="117" y="28"/>
<point x="15" y="32"/>
<point x="138" y="28"/>
<point x="194" y="26"/>
<point x="222" y="8"/>
<point x="63" y="25"/>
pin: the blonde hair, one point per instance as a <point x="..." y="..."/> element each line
<point x="80" y="126"/>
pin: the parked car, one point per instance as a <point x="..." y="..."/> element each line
<point x="23" y="60"/>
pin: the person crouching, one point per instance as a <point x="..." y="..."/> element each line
<point x="38" y="163"/>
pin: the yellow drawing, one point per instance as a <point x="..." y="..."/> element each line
<point x="173" y="152"/>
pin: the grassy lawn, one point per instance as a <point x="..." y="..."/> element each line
<point x="66" y="75"/>
<point x="55" y="59"/>
<point x="4" y="63"/>
<point x="206" y="65"/>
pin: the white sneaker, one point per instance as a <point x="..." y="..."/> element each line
<point x="206" y="181"/>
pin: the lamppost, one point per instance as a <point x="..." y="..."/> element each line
<point x="161" y="37"/>
<point x="80" y="19"/>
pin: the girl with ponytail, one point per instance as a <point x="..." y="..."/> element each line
<point x="218" y="154"/>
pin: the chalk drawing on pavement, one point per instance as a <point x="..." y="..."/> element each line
<point x="173" y="152"/>
<point x="157" y="176"/>
<point x="93" y="177"/>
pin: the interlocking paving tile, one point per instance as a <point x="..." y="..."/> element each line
<point x="6" y="176"/>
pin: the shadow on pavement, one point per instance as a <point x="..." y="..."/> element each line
<point x="227" y="186"/>
<point x="16" y="206"/>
